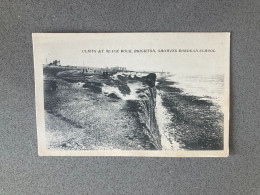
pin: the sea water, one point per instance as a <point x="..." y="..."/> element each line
<point x="204" y="86"/>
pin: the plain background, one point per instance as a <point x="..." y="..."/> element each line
<point x="23" y="172"/>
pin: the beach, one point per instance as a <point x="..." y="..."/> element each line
<point x="194" y="122"/>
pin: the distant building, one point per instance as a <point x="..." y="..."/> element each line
<point x="92" y="70"/>
<point x="117" y="68"/>
<point x="96" y="70"/>
<point x="54" y="63"/>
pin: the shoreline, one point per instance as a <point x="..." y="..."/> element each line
<point x="197" y="123"/>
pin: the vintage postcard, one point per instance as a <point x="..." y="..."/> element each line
<point x="132" y="94"/>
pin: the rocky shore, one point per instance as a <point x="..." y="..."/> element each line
<point x="196" y="124"/>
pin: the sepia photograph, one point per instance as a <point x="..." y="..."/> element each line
<point x="132" y="94"/>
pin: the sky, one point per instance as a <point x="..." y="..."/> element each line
<point x="67" y="47"/>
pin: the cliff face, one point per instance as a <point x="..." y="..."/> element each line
<point x="148" y="117"/>
<point x="143" y="107"/>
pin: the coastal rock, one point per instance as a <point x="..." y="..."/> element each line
<point x="149" y="79"/>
